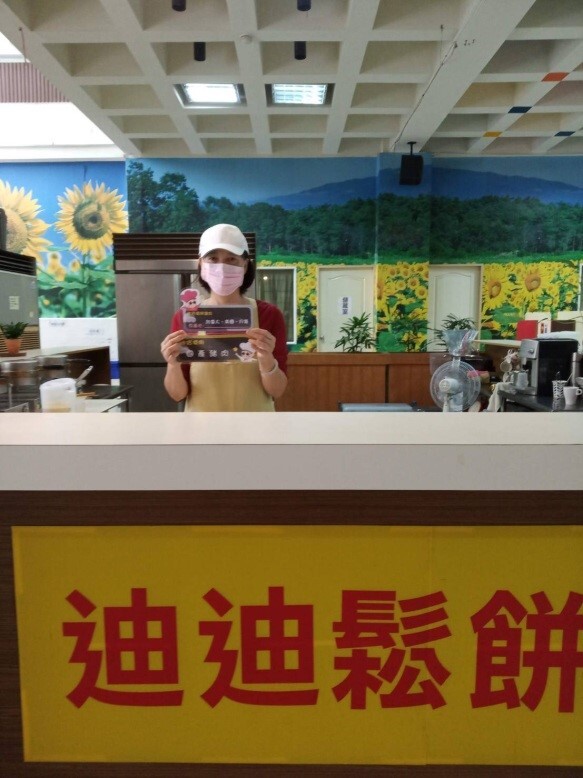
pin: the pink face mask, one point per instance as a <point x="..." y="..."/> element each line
<point x="222" y="279"/>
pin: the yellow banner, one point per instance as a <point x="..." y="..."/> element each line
<point x="289" y="644"/>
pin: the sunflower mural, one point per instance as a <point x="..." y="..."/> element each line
<point x="24" y="230"/>
<point x="402" y="306"/>
<point x="513" y="289"/>
<point x="87" y="218"/>
<point x="306" y="311"/>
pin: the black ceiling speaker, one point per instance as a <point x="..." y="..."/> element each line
<point x="200" y="52"/>
<point x="300" y="49"/>
<point x="411" y="168"/>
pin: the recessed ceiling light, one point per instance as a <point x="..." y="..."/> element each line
<point x="210" y="94"/>
<point x="299" y="94"/>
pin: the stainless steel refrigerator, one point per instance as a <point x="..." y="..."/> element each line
<point x="147" y="293"/>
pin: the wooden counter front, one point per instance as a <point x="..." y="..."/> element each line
<point x="320" y="381"/>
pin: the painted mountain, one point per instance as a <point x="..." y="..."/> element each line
<point x="335" y="193"/>
<point x="471" y="185"/>
<point x="442" y="182"/>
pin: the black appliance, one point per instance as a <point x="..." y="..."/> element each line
<point x="546" y="359"/>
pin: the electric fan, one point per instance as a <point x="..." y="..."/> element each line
<point x="455" y="385"/>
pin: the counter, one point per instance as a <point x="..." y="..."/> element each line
<point x="529" y="402"/>
<point x="414" y="451"/>
<point x="309" y="504"/>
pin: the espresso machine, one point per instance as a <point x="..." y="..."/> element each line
<point x="546" y="359"/>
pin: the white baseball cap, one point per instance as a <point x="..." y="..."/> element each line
<point x="223" y="236"/>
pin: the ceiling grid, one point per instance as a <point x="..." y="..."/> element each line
<point x="457" y="77"/>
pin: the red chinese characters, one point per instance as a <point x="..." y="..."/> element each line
<point x="140" y="648"/>
<point x="386" y="650"/>
<point x="403" y="660"/>
<point x="553" y="640"/>
<point x="276" y="648"/>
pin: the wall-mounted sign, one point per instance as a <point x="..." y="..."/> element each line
<point x="289" y="644"/>
<point x="345" y="305"/>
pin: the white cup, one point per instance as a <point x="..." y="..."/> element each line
<point x="571" y="393"/>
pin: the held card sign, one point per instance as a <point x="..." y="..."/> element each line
<point x="216" y="332"/>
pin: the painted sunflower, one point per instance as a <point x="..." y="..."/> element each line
<point x="531" y="282"/>
<point x="496" y="286"/>
<point x="55" y="266"/>
<point x="88" y="217"/>
<point x="24" y="230"/>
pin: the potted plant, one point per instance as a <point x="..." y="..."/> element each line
<point x="453" y="322"/>
<point x="13" y="336"/>
<point x="357" y="335"/>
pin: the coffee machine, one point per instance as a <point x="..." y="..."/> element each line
<point x="546" y="359"/>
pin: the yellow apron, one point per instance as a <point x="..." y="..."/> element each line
<point x="228" y="386"/>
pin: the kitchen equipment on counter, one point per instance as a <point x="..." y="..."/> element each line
<point x="54" y="366"/>
<point x="81" y="380"/>
<point x="517" y="378"/>
<point x="76" y="366"/>
<point x="576" y="369"/>
<point x="545" y="360"/>
<point x="58" y="395"/>
<point x="23" y="377"/>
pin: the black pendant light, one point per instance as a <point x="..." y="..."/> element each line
<point x="300" y="49"/>
<point x="304" y="5"/>
<point x="179" y="5"/>
<point x="200" y="52"/>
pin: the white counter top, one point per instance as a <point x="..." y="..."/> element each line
<point x="161" y="451"/>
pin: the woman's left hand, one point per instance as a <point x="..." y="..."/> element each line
<point x="262" y="341"/>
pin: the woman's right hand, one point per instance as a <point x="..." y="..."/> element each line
<point x="170" y="347"/>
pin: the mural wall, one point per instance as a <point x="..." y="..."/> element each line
<point x="63" y="215"/>
<point x="520" y="218"/>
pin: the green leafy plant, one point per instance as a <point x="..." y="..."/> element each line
<point x="13" y="330"/>
<point x="453" y="322"/>
<point x="357" y="335"/>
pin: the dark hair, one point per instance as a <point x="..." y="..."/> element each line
<point x="248" y="278"/>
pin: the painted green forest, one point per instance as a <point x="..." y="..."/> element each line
<point x="530" y="250"/>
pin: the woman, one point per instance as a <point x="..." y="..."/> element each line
<point x="226" y="271"/>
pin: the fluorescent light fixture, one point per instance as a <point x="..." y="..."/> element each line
<point x="210" y="94"/>
<point x="299" y="94"/>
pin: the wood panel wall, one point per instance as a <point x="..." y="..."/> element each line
<point x="320" y="381"/>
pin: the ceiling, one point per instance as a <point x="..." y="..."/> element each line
<point x="457" y="77"/>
